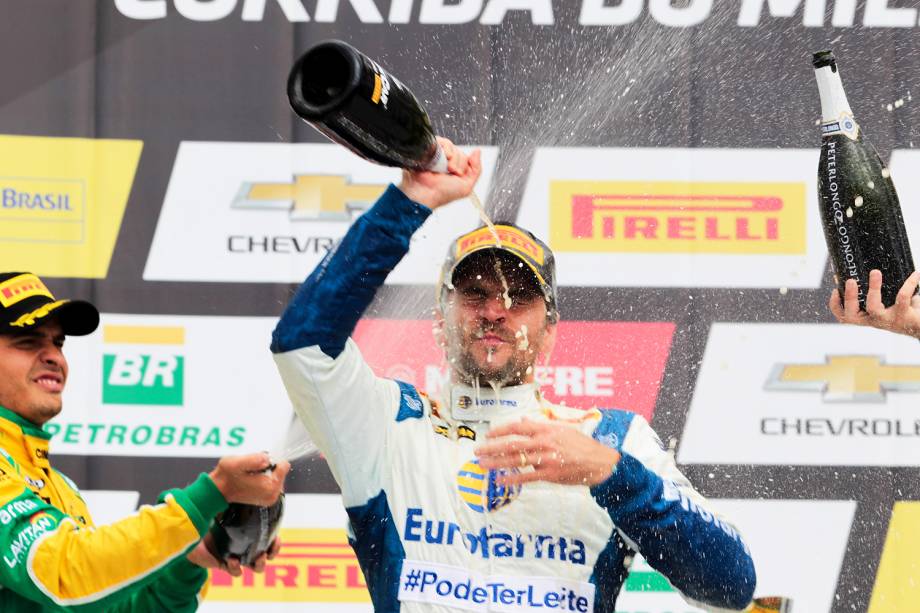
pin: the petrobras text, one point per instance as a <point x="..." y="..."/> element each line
<point x="751" y="13"/>
<point x="460" y="588"/>
<point x="492" y="544"/>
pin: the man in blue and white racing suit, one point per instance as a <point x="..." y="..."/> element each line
<point x="490" y="498"/>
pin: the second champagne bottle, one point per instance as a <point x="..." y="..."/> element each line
<point x="860" y="211"/>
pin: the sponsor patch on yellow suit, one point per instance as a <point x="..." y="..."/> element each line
<point x="62" y="201"/>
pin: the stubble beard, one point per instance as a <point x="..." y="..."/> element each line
<point x="468" y="369"/>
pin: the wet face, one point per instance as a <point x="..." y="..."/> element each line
<point x="33" y="372"/>
<point x="494" y="322"/>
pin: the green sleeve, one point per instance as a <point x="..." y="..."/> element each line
<point x="176" y="589"/>
<point x="49" y="563"/>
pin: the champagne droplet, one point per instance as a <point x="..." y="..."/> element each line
<point x="871" y="184"/>
<point x="858" y="201"/>
<point x="886" y="173"/>
<point x="784" y="290"/>
<point x="849" y="211"/>
<point x="524" y="343"/>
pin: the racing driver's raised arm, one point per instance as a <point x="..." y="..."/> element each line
<point x="343" y="405"/>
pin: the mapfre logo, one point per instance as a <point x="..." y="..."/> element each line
<point x="603" y="364"/>
<point x="59" y="213"/>
<point x="274" y="210"/>
<point x="847" y="378"/>
<point x="315" y="565"/>
<point x="672" y="217"/>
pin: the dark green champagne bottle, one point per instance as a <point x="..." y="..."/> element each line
<point x="860" y="210"/>
<point x="246" y="531"/>
<point x="353" y="101"/>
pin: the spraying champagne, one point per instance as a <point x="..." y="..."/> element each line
<point x="860" y="211"/>
<point x="353" y="101"/>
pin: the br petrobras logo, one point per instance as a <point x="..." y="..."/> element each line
<point x="480" y="491"/>
<point x="144" y="365"/>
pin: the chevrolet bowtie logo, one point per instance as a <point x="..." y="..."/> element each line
<point x="310" y="197"/>
<point x="847" y="378"/>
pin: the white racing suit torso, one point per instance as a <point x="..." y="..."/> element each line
<point x="432" y="531"/>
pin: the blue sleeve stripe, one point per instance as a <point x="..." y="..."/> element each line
<point x="379" y="550"/>
<point x="610" y="573"/>
<point x="701" y="556"/>
<point x="328" y="305"/>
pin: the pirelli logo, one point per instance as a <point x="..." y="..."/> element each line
<point x="674" y="217"/>
<point x="310" y="197"/>
<point x="315" y="565"/>
<point x="21" y="287"/>
<point x="510" y="237"/>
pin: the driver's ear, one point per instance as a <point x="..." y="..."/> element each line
<point x="549" y="342"/>
<point x="438" y="328"/>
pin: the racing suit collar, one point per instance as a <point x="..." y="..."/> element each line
<point x="34" y="439"/>
<point x="483" y="404"/>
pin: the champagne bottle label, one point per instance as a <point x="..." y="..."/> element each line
<point x="381" y="92"/>
<point x="845" y="125"/>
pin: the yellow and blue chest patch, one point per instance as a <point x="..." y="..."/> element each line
<point x="480" y="491"/>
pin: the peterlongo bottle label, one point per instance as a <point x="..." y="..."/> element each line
<point x="845" y="125"/>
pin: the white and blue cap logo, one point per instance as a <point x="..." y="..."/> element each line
<point x="479" y="490"/>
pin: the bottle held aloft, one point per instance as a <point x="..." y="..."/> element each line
<point x="859" y="206"/>
<point x="246" y="531"/>
<point x="353" y="101"/>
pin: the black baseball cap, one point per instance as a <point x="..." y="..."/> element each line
<point x="26" y="303"/>
<point x="507" y="238"/>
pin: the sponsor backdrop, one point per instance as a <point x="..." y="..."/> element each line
<point x="666" y="151"/>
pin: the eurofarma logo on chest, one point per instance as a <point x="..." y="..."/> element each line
<point x="166" y="386"/>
